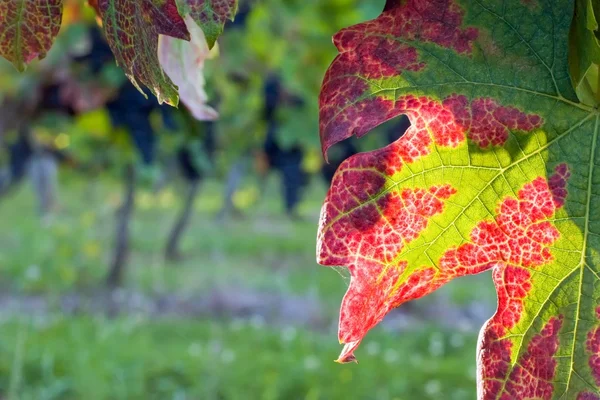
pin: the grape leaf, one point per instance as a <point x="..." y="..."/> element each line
<point x="584" y="51"/>
<point x="132" y="29"/>
<point x="183" y="62"/>
<point x="211" y="15"/>
<point x="28" y="29"/>
<point x="498" y="171"/>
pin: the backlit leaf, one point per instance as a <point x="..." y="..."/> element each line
<point x="211" y="15"/>
<point x="498" y="171"/>
<point x="28" y="29"/>
<point x="584" y="49"/>
<point x="132" y="28"/>
<point x="183" y="62"/>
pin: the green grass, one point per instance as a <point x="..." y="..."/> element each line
<point x="73" y="251"/>
<point x="85" y="357"/>
<point x="136" y="358"/>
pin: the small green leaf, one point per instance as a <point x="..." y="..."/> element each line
<point x="211" y="15"/>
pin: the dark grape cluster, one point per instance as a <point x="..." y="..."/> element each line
<point x="130" y="110"/>
<point x="287" y="162"/>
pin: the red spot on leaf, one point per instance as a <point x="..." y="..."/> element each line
<point x="593" y="347"/>
<point x="520" y="237"/>
<point x="367" y="231"/>
<point x="558" y="185"/>
<point x="367" y="238"/>
<point x="446" y="123"/>
<point x="492" y="122"/>
<point x="436" y="21"/>
<point x="588" y="396"/>
<point x="378" y="49"/>
<point x="532" y="375"/>
<point x="487" y="122"/>
<point x="382" y="48"/>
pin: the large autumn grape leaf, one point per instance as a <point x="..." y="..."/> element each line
<point x="132" y="29"/>
<point x="28" y="29"/>
<point x="211" y="15"/>
<point x="498" y="171"/>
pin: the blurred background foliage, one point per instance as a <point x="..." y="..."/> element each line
<point x="146" y="255"/>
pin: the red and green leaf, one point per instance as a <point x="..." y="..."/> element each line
<point x="211" y="15"/>
<point x="28" y="29"/>
<point x="497" y="172"/>
<point x="132" y="28"/>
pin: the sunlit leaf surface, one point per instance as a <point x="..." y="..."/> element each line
<point x="497" y="172"/>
